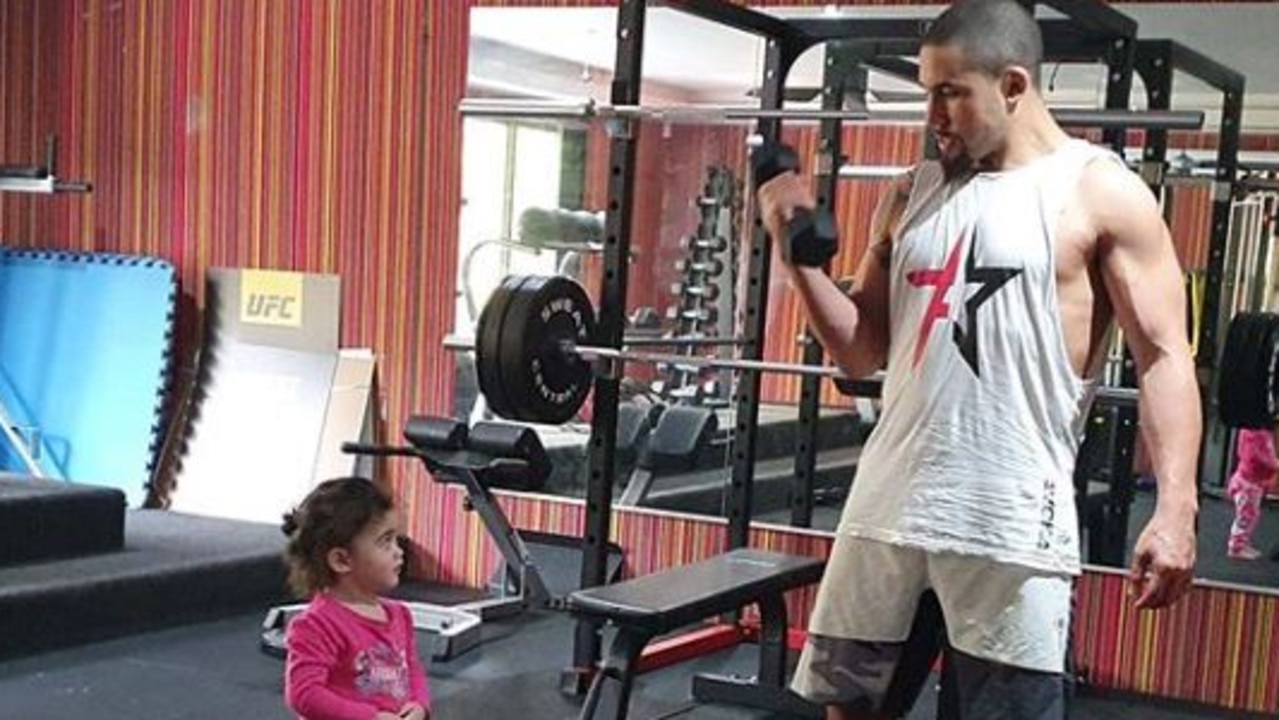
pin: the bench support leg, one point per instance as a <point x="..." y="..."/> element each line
<point x="768" y="690"/>
<point x="772" y="641"/>
<point x="610" y="693"/>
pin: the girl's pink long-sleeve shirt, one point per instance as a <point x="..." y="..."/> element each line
<point x="344" y="666"/>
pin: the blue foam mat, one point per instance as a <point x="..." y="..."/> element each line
<point x="85" y="342"/>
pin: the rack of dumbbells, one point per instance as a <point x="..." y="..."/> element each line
<point x="704" y="290"/>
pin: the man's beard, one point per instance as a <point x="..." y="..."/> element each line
<point x="956" y="165"/>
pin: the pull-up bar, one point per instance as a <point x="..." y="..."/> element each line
<point x="1067" y="117"/>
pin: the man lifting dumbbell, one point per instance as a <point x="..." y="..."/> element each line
<point x="991" y="279"/>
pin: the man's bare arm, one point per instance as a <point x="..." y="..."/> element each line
<point x="1144" y="283"/>
<point x="855" y="334"/>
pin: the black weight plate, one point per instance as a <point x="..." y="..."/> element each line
<point x="1269" y="366"/>
<point x="488" y="345"/>
<point x="546" y="384"/>
<point x="490" y="322"/>
<point x="1231" y="397"/>
<point x="1253" y="373"/>
<point x="512" y="354"/>
<point x="1244" y="387"/>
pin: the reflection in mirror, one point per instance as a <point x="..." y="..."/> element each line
<point x="534" y="190"/>
<point x="534" y="193"/>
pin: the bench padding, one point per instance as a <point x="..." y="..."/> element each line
<point x="684" y="595"/>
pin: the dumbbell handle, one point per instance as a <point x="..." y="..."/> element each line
<point x="714" y="266"/>
<point x="710" y="292"/>
<point x="811" y="237"/>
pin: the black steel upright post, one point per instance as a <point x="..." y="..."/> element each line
<point x="842" y="76"/>
<point x="610" y="326"/>
<point x="1121" y="58"/>
<point x="1154" y="64"/>
<point x="1215" y="459"/>
<point x="778" y="56"/>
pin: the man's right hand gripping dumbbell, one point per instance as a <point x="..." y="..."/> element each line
<point x="805" y="236"/>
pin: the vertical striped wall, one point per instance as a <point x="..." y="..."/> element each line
<point x="310" y="136"/>
<point x="21" y="134"/>
<point x="1218" y="646"/>
<point x="322" y="136"/>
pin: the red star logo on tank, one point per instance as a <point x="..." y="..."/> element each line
<point x="941" y="281"/>
<point x="991" y="279"/>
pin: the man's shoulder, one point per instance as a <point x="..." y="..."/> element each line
<point x="1106" y="183"/>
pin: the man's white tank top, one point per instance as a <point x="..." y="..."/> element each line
<point x="983" y="413"/>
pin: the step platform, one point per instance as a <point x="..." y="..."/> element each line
<point x="173" y="569"/>
<point x="45" y="520"/>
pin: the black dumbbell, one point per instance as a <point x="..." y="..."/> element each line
<point x="710" y="267"/>
<point x="692" y="242"/>
<point x="811" y="237"/>
<point x="706" y="292"/>
<point x="645" y="317"/>
<point x="704" y="314"/>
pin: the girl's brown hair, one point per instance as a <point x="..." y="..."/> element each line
<point x="330" y="517"/>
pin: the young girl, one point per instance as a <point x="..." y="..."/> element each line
<point x="1254" y="475"/>
<point x="351" y="654"/>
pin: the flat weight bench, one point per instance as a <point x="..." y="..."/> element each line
<point x="661" y="602"/>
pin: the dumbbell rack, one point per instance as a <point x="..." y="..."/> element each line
<point x="704" y="288"/>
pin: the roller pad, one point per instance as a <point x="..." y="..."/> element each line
<point x="681" y="433"/>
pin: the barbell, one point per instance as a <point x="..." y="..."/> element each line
<point x="533" y="353"/>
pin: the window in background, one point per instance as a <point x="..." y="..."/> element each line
<point x="507" y="167"/>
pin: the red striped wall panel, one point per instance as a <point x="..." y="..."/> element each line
<point x="21" y="136"/>
<point x="1217" y="646"/>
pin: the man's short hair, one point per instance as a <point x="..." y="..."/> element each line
<point x="992" y="34"/>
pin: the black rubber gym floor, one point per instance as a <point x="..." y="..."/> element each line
<point x="214" y="670"/>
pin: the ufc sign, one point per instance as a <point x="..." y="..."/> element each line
<point x="270" y="297"/>
<point x="266" y="307"/>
